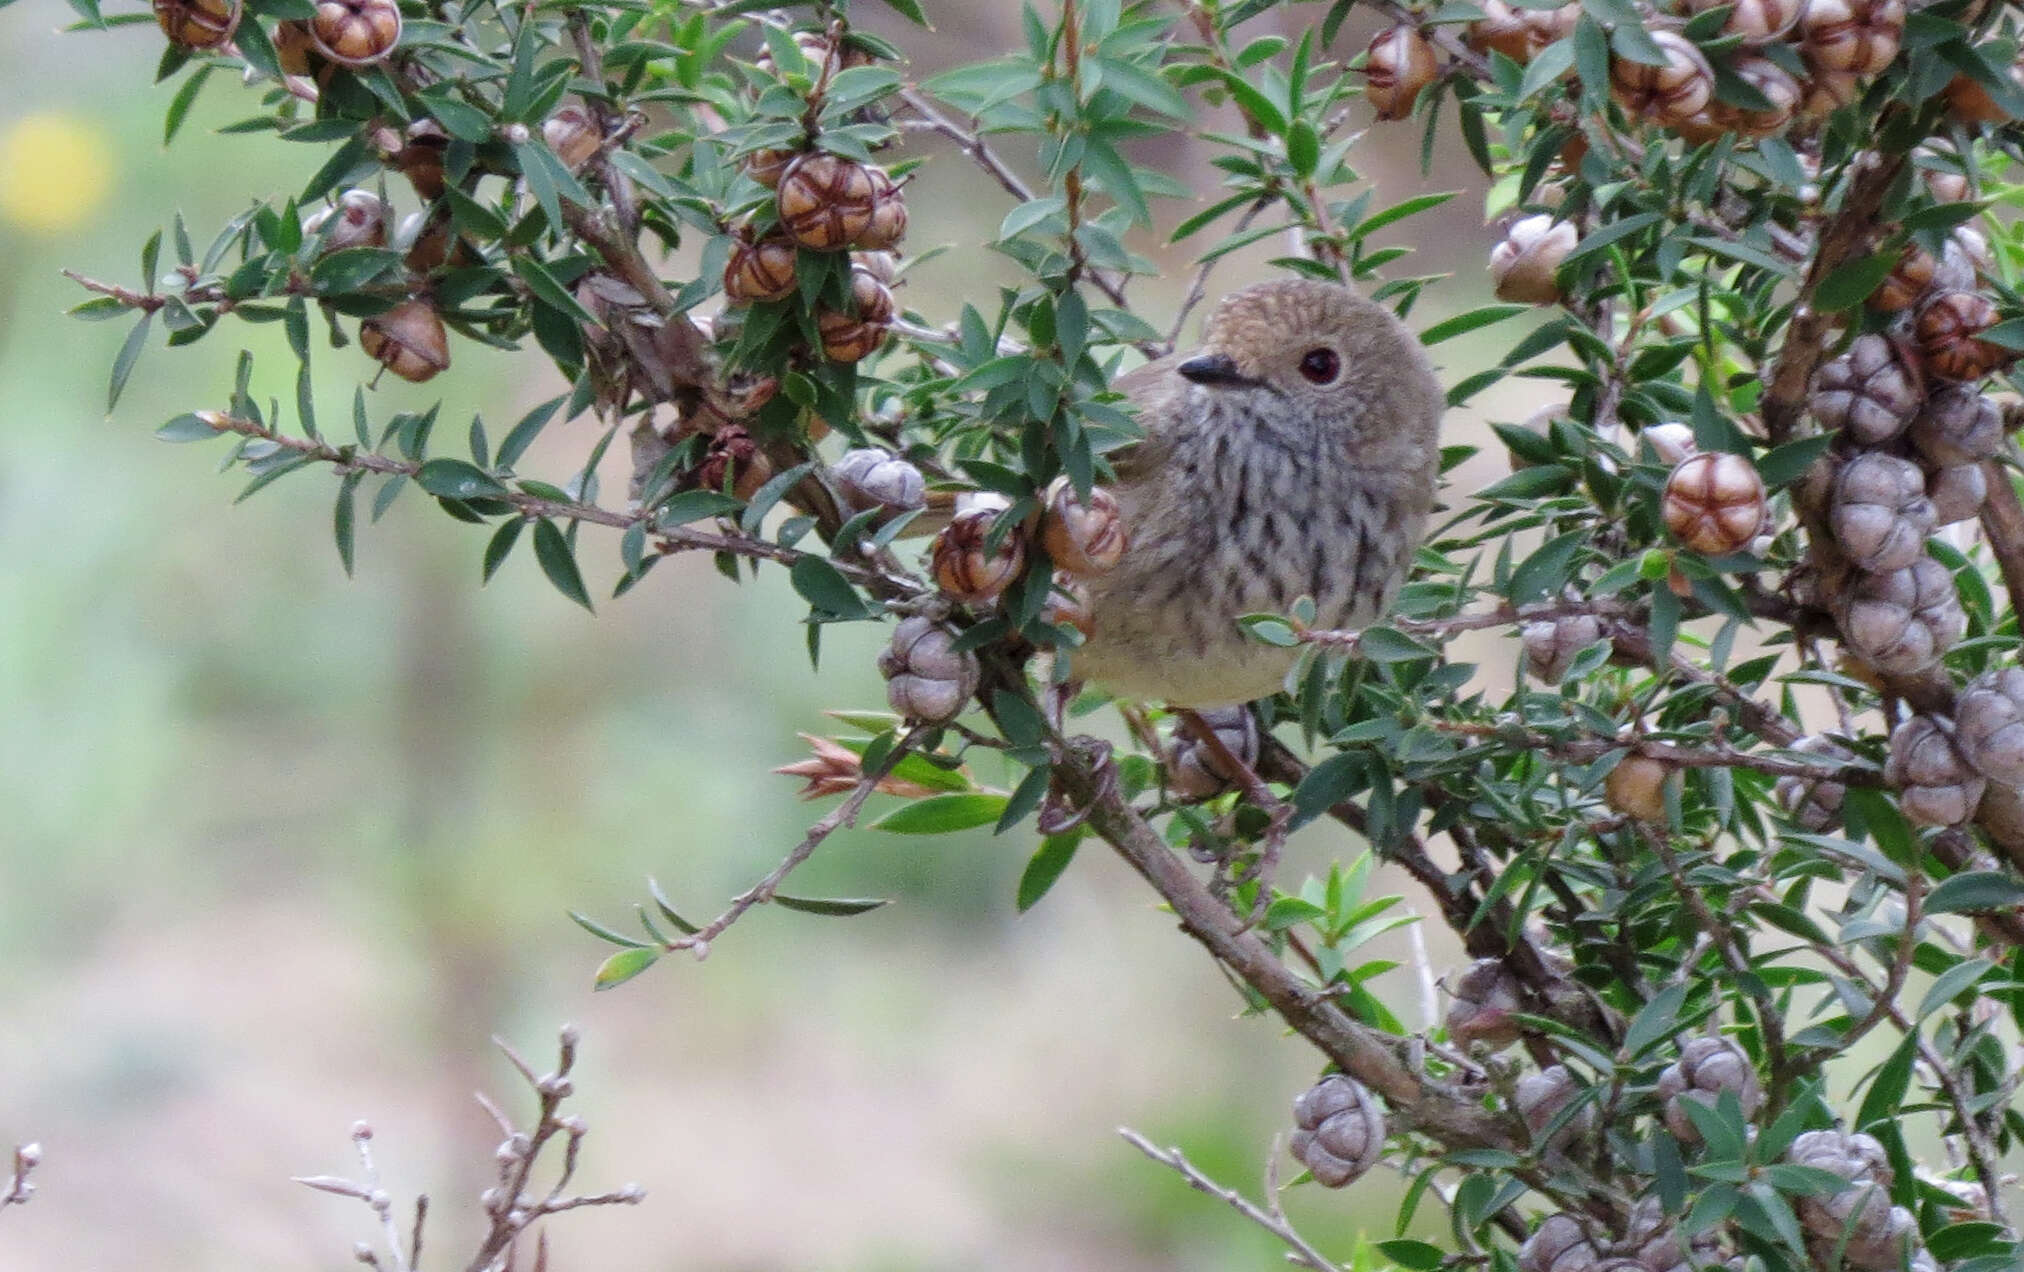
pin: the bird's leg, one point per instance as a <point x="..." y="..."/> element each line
<point x="1278" y="812"/>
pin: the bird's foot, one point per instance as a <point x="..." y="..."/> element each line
<point x="1059" y="811"/>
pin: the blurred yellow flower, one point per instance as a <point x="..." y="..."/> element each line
<point x="57" y="168"/>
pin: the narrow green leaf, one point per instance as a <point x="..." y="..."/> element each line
<point x="941" y="814"/>
<point x="456" y="479"/>
<point x="501" y="545"/>
<point x="1044" y="868"/>
<point x="129" y="353"/>
<point x="558" y="562"/>
<point x="345" y="518"/>
<point x="834" y="907"/>
<point x="623" y="966"/>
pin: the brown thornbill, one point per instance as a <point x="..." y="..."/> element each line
<point x="1293" y="454"/>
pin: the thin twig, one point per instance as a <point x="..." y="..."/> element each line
<point x="1300" y="1250"/>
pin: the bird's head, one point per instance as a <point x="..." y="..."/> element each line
<point x="1317" y="353"/>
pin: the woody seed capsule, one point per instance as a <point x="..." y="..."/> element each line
<point x="872" y="478"/>
<point x="407" y="340"/>
<point x="1668" y="95"/>
<point x="1340" y="1133"/>
<point x="1559" y="1244"/>
<point x="1814" y="804"/>
<point x="1778" y="87"/>
<point x="967" y="567"/>
<point x="1399" y="66"/>
<point x="1958" y="426"/>
<point x="1706" y="1068"/>
<point x="760" y="271"/>
<point x="1522" y="266"/>
<point x="1949" y="333"/>
<point x="1636" y="787"/>
<point x="927" y="678"/>
<point x="1880" y="514"/>
<point x="1989" y="724"/>
<point x="1083" y="536"/>
<point x="888" y="224"/>
<point x="358" y="219"/>
<point x="856" y="335"/>
<point x="1755" y="20"/>
<point x="1936" y="784"/>
<point x="1957" y="493"/>
<point x="1904" y="621"/>
<point x="573" y="135"/>
<point x="198" y="25"/>
<point x="826" y="201"/>
<point x="1855" y="37"/>
<point x="1870" y="392"/>
<point x="356" y="32"/>
<point x="1714" y="503"/>
<point x="1552" y="644"/>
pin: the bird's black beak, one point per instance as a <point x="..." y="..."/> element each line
<point x="1217" y="370"/>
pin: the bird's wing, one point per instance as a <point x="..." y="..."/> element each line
<point x="1153" y="389"/>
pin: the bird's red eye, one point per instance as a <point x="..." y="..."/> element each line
<point x="1320" y="366"/>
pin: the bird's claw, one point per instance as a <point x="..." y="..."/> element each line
<point x="1059" y="812"/>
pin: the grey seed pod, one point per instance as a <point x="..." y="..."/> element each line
<point x="1815" y="805"/>
<point x="1957" y="267"/>
<point x="872" y="478"/>
<point x="1903" y="621"/>
<point x="1957" y="492"/>
<point x="1341" y="1130"/>
<point x="926" y="678"/>
<point x="1869" y="392"/>
<point x="1656" y="1244"/>
<point x="1551" y="644"/>
<point x="1936" y="784"/>
<point x="1193" y="770"/>
<point x="1542" y="1097"/>
<point x="1706" y="1068"/>
<point x="1559" y="1244"/>
<point x="1989" y="724"/>
<point x="1486" y="996"/>
<point x="1884" y="1249"/>
<point x="1879" y="513"/>
<point x="1958" y="425"/>
<point x="1855" y="1157"/>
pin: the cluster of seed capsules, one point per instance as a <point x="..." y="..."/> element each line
<point x="1801" y="58"/>
<point x="825" y="203"/>
<point x="974" y="559"/>
<point x="1915" y="434"/>
<point x="1340" y="1134"/>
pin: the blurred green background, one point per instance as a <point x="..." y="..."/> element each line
<point x="283" y="849"/>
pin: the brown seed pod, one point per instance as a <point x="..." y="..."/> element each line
<point x="884" y="266"/>
<point x="1522" y="266"/>
<point x="1958" y="493"/>
<point x="1989" y="724"/>
<point x="927" y="678"/>
<point x="1904" y="285"/>
<point x="1879" y="512"/>
<point x="1757" y="21"/>
<point x="1552" y="644"/>
<point x="198" y="25"/>
<point x="1945" y="180"/>
<point x="1706" y="1068"/>
<point x="573" y="135"/>
<point x="734" y="457"/>
<point x="1854" y="37"/>
<point x="1871" y="392"/>
<point x="420" y="158"/>
<point x="1559" y="1244"/>
<point x="760" y="271"/>
<point x="1399" y="65"/>
<point x="872" y="478"/>
<point x="855" y="336"/>
<point x="1482" y="1011"/>
<point x="1814" y="804"/>
<point x="407" y="340"/>
<point x="1194" y="771"/>
<point x="1958" y="426"/>
<point x="1904" y="621"/>
<point x="1825" y="92"/>
<point x="1714" y="503"/>
<point x="766" y="166"/>
<point x="1340" y="1130"/>
<point x="430" y="242"/>
<point x="356" y="32"/>
<point x="357" y="219"/>
<point x="1636" y="787"/>
<point x="1541" y="1098"/>
<point x="1668" y="95"/>
<point x="966" y="565"/>
<point x="1513" y="32"/>
<point x="1948" y="330"/>
<point x="888" y="224"/>
<point x="1084" y="537"/>
<point x="1858" y="1214"/>
<point x="1970" y="102"/>
<point x="1778" y="87"/>
<point x="826" y="201"/>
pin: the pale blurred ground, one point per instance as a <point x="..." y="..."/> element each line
<point x="282" y="850"/>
